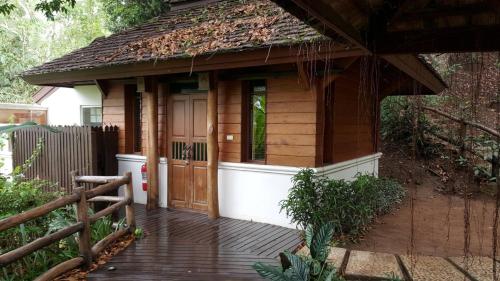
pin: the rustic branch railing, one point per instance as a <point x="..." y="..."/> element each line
<point x="82" y="226"/>
<point x="483" y="128"/>
<point x="460" y="143"/>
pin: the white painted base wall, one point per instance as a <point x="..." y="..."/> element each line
<point x="250" y="191"/>
<point x="132" y="163"/>
<point x="253" y="192"/>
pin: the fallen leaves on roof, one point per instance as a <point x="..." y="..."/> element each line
<point x="210" y="30"/>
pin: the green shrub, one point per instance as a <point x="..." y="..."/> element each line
<point x="348" y="206"/>
<point x="397" y="125"/>
<point x="18" y="195"/>
<point x="305" y="268"/>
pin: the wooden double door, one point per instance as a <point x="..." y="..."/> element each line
<point x="187" y="151"/>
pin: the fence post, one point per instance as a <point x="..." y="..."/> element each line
<point x="73" y="175"/>
<point x="495" y="166"/>
<point x="84" y="238"/>
<point x="129" y="208"/>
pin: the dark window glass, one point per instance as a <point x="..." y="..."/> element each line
<point x="91" y="116"/>
<point x="257" y="120"/>
<point x="137" y="122"/>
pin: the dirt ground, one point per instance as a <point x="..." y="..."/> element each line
<point x="438" y="227"/>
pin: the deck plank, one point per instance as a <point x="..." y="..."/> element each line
<point x="188" y="246"/>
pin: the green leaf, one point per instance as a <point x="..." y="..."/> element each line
<point x="330" y="276"/>
<point x="270" y="272"/>
<point x="299" y="267"/>
<point x="309" y="235"/>
<point x="321" y="242"/>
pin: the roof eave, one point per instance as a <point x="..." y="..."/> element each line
<point x="259" y="57"/>
<point x="416" y="69"/>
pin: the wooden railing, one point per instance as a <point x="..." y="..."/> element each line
<point x="460" y="142"/>
<point x="80" y="197"/>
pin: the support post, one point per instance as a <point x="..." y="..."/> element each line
<point x="213" y="148"/>
<point x="151" y="97"/>
<point x="129" y="209"/>
<point x="84" y="238"/>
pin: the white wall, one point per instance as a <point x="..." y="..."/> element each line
<point x="6" y="159"/>
<point x="250" y="191"/>
<point x="132" y="163"/>
<point x="253" y="192"/>
<point x="64" y="104"/>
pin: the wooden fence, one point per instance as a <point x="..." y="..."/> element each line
<point x="460" y="142"/>
<point x="80" y="197"/>
<point x="91" y="150"/>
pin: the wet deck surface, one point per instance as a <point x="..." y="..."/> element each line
<point x="188" y="246"/>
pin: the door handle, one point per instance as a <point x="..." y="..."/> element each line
<point x="187" y="153"/>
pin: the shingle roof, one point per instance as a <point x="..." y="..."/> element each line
<point x="223" y="26"/>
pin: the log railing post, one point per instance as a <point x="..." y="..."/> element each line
<point x="129" y="209"/>
<point x="84" y="237"/>
<point x="213" y="148"/>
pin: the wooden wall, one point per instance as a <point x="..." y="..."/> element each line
<point x="113" y="111"/>
<point x="352" y="118"/>
<point x="294" y="123"/>
<point x="291" y="123"/>
<point x="114" y="114"/>
<point x="229" y="108"/>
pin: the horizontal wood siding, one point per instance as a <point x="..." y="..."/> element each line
<point x="353" y="126"/>
<point x="293" y="120"/>
<point x="113" y="111"/>
<point x="291" y="123"/>
<point x="229" y="109"/>
<point x="114" y="114"/>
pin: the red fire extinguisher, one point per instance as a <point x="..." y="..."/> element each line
<point x="144" y="173"/>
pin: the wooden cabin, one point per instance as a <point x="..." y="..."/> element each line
<point x="226" y="100"/>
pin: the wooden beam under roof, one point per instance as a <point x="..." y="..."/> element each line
<point x="328" y="17"/>
<point x="465" y="36"/>
<point x="432" y="40"/>
<point x="417" y="70"/>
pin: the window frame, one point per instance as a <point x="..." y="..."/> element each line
<point x="82" y="118"/>
<point x="247" y="121"/>
<point x="133" y="137"/>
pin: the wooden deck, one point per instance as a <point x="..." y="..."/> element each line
<point x="188" y="246"/>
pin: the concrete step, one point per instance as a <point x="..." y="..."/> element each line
<point x="369" y="265"/>
<point x="427" y="268"/>
<point x="335" y="257"/>
<point x="480" y="268"/>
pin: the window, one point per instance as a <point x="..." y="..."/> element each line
<point x="133" y="120"/>
<point x="91" y="115"/>
<point x="255" y="104"/>
<point x="137" y="122"/>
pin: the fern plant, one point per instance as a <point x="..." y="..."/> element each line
<point x="300" y="268"/>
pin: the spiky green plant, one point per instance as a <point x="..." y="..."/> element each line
<point x="301" y="268"/>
